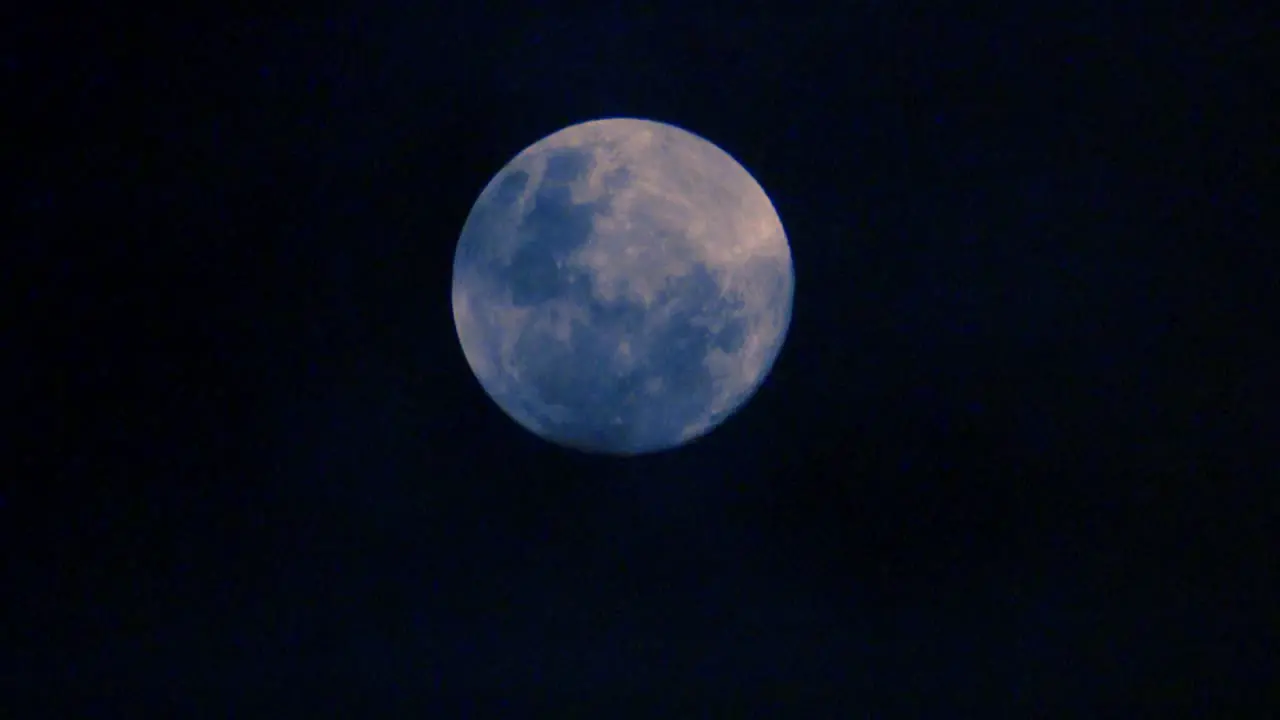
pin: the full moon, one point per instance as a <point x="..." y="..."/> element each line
<point x="622" y="287"/>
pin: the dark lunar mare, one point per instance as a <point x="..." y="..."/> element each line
<point x="551" y="232"/>
<point x="607" y="408"/>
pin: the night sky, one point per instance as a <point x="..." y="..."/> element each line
<point x="1017" y="452"/>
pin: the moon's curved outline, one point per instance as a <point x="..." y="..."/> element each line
<point x="719" y="218"/>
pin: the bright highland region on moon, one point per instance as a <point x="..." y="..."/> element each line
<point x="622" y="286"/>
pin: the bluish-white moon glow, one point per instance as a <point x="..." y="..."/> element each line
<point x="622" y="286"/>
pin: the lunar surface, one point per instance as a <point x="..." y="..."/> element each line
<point x="622" y="286"/>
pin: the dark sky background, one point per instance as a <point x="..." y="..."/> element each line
<point x="1018" y="449"/>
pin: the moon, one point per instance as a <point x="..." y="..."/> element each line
<point x="622" y="286"/>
